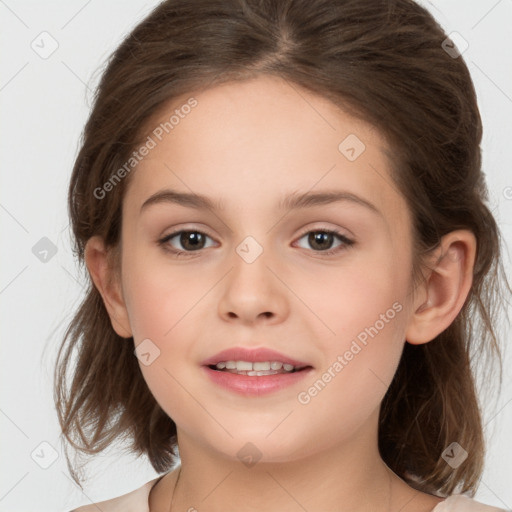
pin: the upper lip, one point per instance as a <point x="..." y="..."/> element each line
<point x="251" y="355"/>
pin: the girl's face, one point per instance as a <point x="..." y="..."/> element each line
<point x="256" y="273"/>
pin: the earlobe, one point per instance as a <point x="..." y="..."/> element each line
<point x="104" y="278"/>
<point x="445" y="289"/>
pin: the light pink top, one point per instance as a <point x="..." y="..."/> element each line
<point x="138" y="501"/>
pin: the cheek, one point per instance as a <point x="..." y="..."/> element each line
<point x="365" y="297"/>
<point x="359" y="365"/>
<point x="160" y="297"/>
<point x="165" y="312"/>
<point x="365" y="308"/>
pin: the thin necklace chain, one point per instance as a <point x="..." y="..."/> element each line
<point x="179" y="474"/>
<point x="174" y="489"/>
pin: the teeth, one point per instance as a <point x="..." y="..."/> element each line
<point x="259" y="374"/>
<point x="260" y="366"/>
<point x="255" y="369"/>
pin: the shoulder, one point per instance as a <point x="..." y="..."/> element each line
<point x="461" y="503"/>
<point x="134" y="501"/>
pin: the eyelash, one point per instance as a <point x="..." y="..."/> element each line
<point x="330" y="252"/>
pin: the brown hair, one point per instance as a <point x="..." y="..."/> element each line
<point x="383" y="61"/>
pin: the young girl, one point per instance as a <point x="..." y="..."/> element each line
<point x="281" y="207"/>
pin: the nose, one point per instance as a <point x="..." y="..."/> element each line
<point x="253" y="293"/>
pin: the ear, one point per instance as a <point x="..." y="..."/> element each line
<point x="99" y="262"/>
<point x="445" y="289"/>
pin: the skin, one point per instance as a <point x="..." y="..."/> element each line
<point x="249" y="144"/>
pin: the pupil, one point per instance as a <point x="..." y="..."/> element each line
<point x="186" y="237"/>
<point x="318" y="237"/>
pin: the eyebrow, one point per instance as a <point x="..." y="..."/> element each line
<point x="293" y="201"/>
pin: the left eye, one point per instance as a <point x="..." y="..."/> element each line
<point x="319" y="240"/>
<point x="323" y="239"/>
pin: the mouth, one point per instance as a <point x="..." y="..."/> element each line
<point x="254" y="371"/>
<point x="257" y="369"/>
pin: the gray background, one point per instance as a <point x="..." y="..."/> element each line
<point x="45" y="103"/>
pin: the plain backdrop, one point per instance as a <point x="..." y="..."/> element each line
<point x="45" y="100"/>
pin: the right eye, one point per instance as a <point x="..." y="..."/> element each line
<point x="190" y="240"/>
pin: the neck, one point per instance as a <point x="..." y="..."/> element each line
<point x="349" y="476"/>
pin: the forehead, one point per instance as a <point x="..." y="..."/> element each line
<point x="264" y="134"/>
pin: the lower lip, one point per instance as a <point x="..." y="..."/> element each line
<point x="251" y="385"/>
